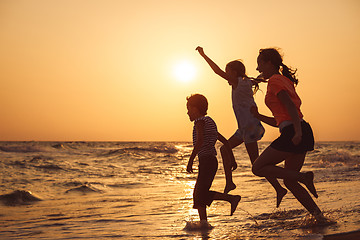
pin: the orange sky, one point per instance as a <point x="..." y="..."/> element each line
<point x="103" y="70"/>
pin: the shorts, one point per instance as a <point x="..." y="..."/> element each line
<point x="202" y="195"/>
<point x="253" y="133"/>
<point x="284" y="142"/>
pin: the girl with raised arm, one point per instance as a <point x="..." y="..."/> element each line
<point x="250" y="130"/>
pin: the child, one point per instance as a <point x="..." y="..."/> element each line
<point x="249" y="129"/>
<point x="296" y="136"/>
<point x="205" y="135"/>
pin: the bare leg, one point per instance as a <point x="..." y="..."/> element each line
<point x="295" y="163"/>
<point x="265" y="166"/>
<point x="253" y="151"/>
<point x="232" y="199"/>
<point x="228" y="165"/>
<point x="202" y="213"/>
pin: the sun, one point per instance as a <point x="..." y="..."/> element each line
<point x="184" y="71"/>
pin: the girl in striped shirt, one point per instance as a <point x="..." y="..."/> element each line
<point x="205" y="135"/>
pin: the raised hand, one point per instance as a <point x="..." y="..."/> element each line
<point x="200" y="50"/>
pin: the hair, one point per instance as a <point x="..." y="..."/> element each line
<point x="239" y="67"/>
<point x="273" y="55"/>
<point x="199" y="101"/>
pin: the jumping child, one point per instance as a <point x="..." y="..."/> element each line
<point x="250" y="130"/>
<point x="205" y="135"/>
<point x="296" y="136"/>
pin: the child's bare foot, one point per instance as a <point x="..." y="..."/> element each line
<point x="229" y="187"/>
<point x="279" y="196"/>
<point x="204" y="224"/>
<point x="309" y="183"/>
<point x="234" y="203"/>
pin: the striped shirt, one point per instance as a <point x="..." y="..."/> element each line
<point x="210" y="136"/>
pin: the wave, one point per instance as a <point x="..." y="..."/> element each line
<point x="39" y="162"/>
<point x="84" y="189"/>
<point x="49" y="167"/>
<point x="22" y="149"/>
<point x="164" y="149"/>
<point x="19" y="197"/>
<point x="58" y="146"/>
<point x="338" y="158"/>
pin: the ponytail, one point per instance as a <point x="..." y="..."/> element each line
<point x="289" y="73"/>
<point x="255" y="83"/>
<point x="239" y="67"/>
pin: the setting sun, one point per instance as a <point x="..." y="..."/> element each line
<point x="184" y="71"/>
<point x="91" y="70"/>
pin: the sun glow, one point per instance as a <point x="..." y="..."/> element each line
<point x="184" y="71"/>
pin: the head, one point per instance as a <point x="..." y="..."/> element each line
<point x="270" y="62"/>
<point x="197" y="106"/>
<point x="236" y="68"/>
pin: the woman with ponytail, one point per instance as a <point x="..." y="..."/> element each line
<point x="296" y="137"/>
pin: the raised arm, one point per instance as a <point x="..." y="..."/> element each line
<point x="215" y="67"/>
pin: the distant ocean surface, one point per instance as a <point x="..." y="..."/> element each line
<point x="140" y="190"/>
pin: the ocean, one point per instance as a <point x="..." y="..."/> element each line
<point x="140" y="190"/>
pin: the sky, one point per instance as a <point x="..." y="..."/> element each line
<point x="105" y="70"/>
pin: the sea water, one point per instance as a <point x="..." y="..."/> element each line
<point x="128" y="190"/>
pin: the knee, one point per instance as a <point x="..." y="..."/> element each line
<point x="256" y="170"/>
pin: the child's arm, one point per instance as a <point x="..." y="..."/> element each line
<point x="222" y="139"/>
<point x="268" y="120"/>
<point x="258" y="79"/>
<point x="215" y="67"/>
<point x="255" y="81"/>
<point x="199" y="126"/>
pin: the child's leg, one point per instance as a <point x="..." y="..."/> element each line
<point x="202" y="213"/>
<point x="232" y="199"/>
<point x="295" y="163"/>
<point x="203" y="218"/>
<point x="201" y="195"/>
<point x="265" y="165"/>
<point x="253" y="151"/>
<point x="228" y="165"/>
